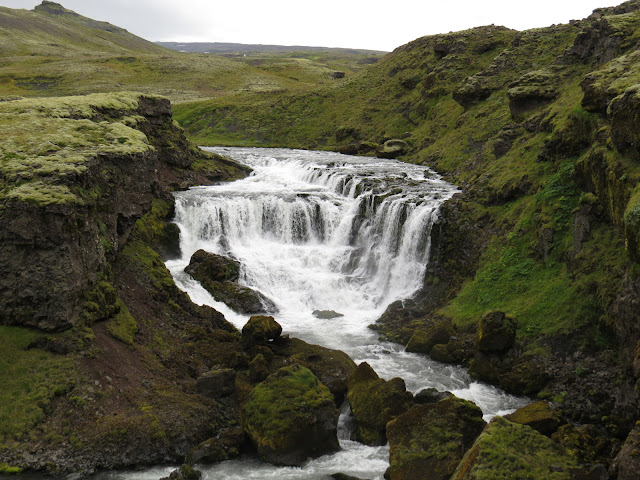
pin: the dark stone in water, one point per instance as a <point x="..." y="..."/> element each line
<point x="326" y="314"/>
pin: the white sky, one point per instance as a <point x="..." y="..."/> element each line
<point x="367" y="24"/>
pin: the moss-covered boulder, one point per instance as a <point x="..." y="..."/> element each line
<point x="430" y="395"/>
<point x="374" y="402"/>
<point x="258" y="369"/>
<point x="392" y="148"/>
<point x="260" y="330"/>
<point x="525" y="377"/>
<point x="291" y="417"/>
<point x="538" y="415"/>
<point x="531" y="91"/>
<point x="632" y="227"/>
<point x="428" y="441"/>
<point x="496" y="332"/>
<point x="332" y="367"/>
<point x="185" y="472"/>
<point x="423" y="341"/>
<point x="209" y="266"/>
<point x="507" y="450"/>
<point x="627" y="463"/>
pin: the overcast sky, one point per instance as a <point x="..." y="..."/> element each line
<point x="368" y="24"/>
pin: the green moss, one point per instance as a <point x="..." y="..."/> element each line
<point x="277" y="405"/>
<point x="122" y="326"/>
<point x="493" y="456"/>
<point x="30" y="378"/>
<point x="6" y="469"/>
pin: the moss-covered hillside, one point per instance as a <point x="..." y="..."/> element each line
<point x="539" y="128"/>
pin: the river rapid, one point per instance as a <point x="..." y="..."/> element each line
<point x="325" y="231"/>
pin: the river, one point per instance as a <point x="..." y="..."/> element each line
<point x="325" y="231"/>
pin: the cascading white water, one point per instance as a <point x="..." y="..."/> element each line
<point x="324" y="231"/>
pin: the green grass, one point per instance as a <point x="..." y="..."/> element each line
<point x="30" y="378"/>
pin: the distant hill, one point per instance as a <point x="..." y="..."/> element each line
<point x="218" y="47"/>
<point x="51" y="29"/>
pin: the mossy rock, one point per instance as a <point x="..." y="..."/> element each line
<point x="185" y="472"/>
<point x="538" y="415"/>
<point x="422" y="341"/>
<point x="258" y="369"/>
<point x="624" y="111"/>
<point x="430" y="395"/>
<point x="481" y="368"/>
<point x="428" y="441"/>
<point x="507" y="450"/>
<point x="627" y="463"/>
<point x="589" y="444"/>
<point x="224" y="446"/>
<point x="239" y="298"/>
<point x="496" y="332"/>
<point x="526" y="377"/>
<point x="332" y="367"/>
<point x="217" y="384"/>
<point x="374" y="402"/>
<point x="632" y="227"/>
<point x="209" y="266"/>
<point x="260" y="330"/>
<point x="290" y="417"/>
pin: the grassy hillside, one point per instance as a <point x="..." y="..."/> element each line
<point x="54" y="51"/>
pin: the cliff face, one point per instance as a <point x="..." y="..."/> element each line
<point x="76" y="175"/>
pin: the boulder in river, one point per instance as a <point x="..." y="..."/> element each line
<point x="260" y="330"/>
<point x="290" y="417"/>
<point x="496" y="332"/>
<point x="374" y="402"/>
<point x="212" y="267"/>
<point x="428" y="441"/>
<point x="326" y="314"/>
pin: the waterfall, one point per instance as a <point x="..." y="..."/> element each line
<point x="324" y="231"/>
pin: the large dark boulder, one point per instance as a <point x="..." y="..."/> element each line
<point x="185" y="472"/>
<point x="260" y="330"/>
<point x="428" y="441"/>
<point x="496" y="332"/>
<point x="374" y="402"/>
<point x="219" y="275"/>
<point x="423" y="341"/>
<point x="216" y="268"/>
<point x="290" y="417"/>
<point x="222" y="447"/>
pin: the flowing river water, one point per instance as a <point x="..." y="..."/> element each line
<point x="325" y="231"/>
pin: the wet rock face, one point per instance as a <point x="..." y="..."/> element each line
<point x="219" y="276"/>
<point x="428" y="441"/>
<point x="374" y="402"/>
<point x="290" y="417"/>
<point x="624" y="111"/>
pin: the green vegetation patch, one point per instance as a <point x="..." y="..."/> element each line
<point x="30" y="379"/>
<point x="48" y="144"/>
<point x="122" y="326"/>
<point x="276" y="406"/>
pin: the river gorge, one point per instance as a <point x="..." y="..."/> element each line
<point x="321" y="232"/>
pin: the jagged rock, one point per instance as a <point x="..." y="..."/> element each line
<point x="332" y="367"/>
<point x="260" y="330"/>
<point x="428" y="441"/>
<point x="627" y="463"/>
<point x="423" y="341"/>
<point x="538" y="415"/>
<point x="430" y="395"/>
<point x="216" y="384"/>
<point x="374" y="402"/>
<point x="290" y="417"/>
<point x="496" y="332"/>
<point x="218" y="275"/>
<point x="185" y="472"/>
<point x="449" y="44"/>
<point x="224" y="446"/>
<point x="209" y="266"/>
<point x="326" y="314"/>
<point x="624" y="111"/>
<point x="509" y="447"/>
<point x="258" y="369"/>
